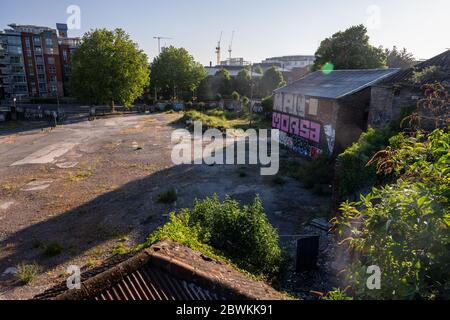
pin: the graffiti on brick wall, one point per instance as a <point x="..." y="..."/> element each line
<point x="296" y="126"/>
<point x="299" y="145"/>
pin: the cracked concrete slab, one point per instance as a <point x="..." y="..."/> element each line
<point x="47" y="154"/>
<point x="37" y="185"/>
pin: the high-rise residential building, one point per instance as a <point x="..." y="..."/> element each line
<point x="34" y="61"/>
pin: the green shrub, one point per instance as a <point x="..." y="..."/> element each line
<point x="235" y="96"/>
<point x="404" y="227"/>
<point x="240" y="234"/>
<point x="53" y="249"/>
<point x="336" y="295"/>
<point x="26" y="273"/>
<point x="167" y="197"/>
<point x="267" y="104"/>
<point x="355" y="174"/>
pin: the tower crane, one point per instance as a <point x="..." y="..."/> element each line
<point x="159" y="41"/>
<point x="218" y="48"/>
<point x="230" y="49"/>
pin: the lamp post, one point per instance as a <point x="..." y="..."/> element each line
<point x="251" y="94"/>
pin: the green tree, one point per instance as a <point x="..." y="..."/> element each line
<point x="175" y="71"/>
<point x="223" y="83"/>
<point x="271" y="80"/>
<point x="243" y="82"/>
<point x="399" y="58"/>
<point x="205" y="91"/>
<point x="108" y="67"/>
<point x="350" y="49"/>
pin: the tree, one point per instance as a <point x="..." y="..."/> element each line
<point x="271" y="80"/>
<point x="243" y="82"/>
<point x="108" y="67"/>
<point x="399" y="58"/>
<point x="204" y="90"/>
<point x="223" y="83"/>
<point x="175" y="71"/>
<point x="349" y="49"/>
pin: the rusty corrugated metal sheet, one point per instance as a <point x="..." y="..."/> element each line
<point x="152" y="284"/>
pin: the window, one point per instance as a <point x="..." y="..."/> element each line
<point x="15" y="59"/>
<point x="14" y="41"/>
<point x="65" y="55"/>
<point x="37" y="41"/>
<point x="38" y="50"/>
<point x="41" y="78"/>
<point x="17" y="69"/>
<point x="40" y="68"/>
<point x="42" y="88"/>
<point x="39" y="60"/>
<point x="49" y="42"/>
<point x="53" y="79"/>
<point x="15" y="49"/>
<point x="51" y="60"/>
<point x="313" y="106"/>
<point x="52" y="70"/>
<point x="28" y="43"/>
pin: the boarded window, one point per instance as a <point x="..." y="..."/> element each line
<point x="313" y="106"/>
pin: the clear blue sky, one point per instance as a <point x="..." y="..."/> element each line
<point x="263" y="28"/>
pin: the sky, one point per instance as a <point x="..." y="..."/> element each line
<point x="263" y="28"/>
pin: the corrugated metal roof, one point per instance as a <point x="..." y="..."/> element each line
<point x="336" y="84"/>
<point x="404" y="77"/>
<point x="150" y="284"/>
<point x="166" y="271"/>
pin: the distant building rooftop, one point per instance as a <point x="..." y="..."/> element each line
<point x="336" y="84"/>
<point x="166" y="271"/>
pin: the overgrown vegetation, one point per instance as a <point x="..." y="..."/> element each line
<point x="223" y="119"/>
<point x="427" y="74"/>
<point x="167" y="197"/>
<point x="26" y="273"/>
<point x="225" y="230"/>
<point x="53" y="249"/>
<point x="404" y="227"/>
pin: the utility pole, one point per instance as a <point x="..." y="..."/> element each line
<point x="159" y="42"/>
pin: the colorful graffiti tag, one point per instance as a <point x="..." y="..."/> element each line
<point x="299" y="145"/>
<point x="303" y="128"/>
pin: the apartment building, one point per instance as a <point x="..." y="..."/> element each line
<point x="34" y="61"/>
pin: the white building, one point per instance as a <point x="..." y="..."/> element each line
<point x="291" y="62"/>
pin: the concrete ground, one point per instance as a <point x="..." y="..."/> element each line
<point x="91" y="186"/>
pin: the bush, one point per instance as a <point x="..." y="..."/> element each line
<point x="168" y="197"/>
<point x="354" y="174"/>
<point x="404" y="228"/>
<point x="26" y="273"/>
<point x="240" y="234"/>
<point x="235" y="96"/>
<point x="267" y="104"/>
<point x="53" y="249"/>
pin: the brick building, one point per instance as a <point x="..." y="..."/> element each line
<point x="325" y="112"/>
<point x="399" y="91"/>
<point x="34" y="61"/>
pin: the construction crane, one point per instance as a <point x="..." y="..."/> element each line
<point x="230" y="49"/>
<point x="218" y="48"/>
<point x="159" y="41"/>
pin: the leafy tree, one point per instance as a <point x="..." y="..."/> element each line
<point x="243" y="82"/>
<point x="109" y="67"/>
<point x="350" y="49"/>
<point x="271" y="80"/>
<point x="205" y="91"/>
<point x="399" y="58"/>
<point x="175" y="71"/>
<point x="259" y="70"/>
<point x="223" y="83"/>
